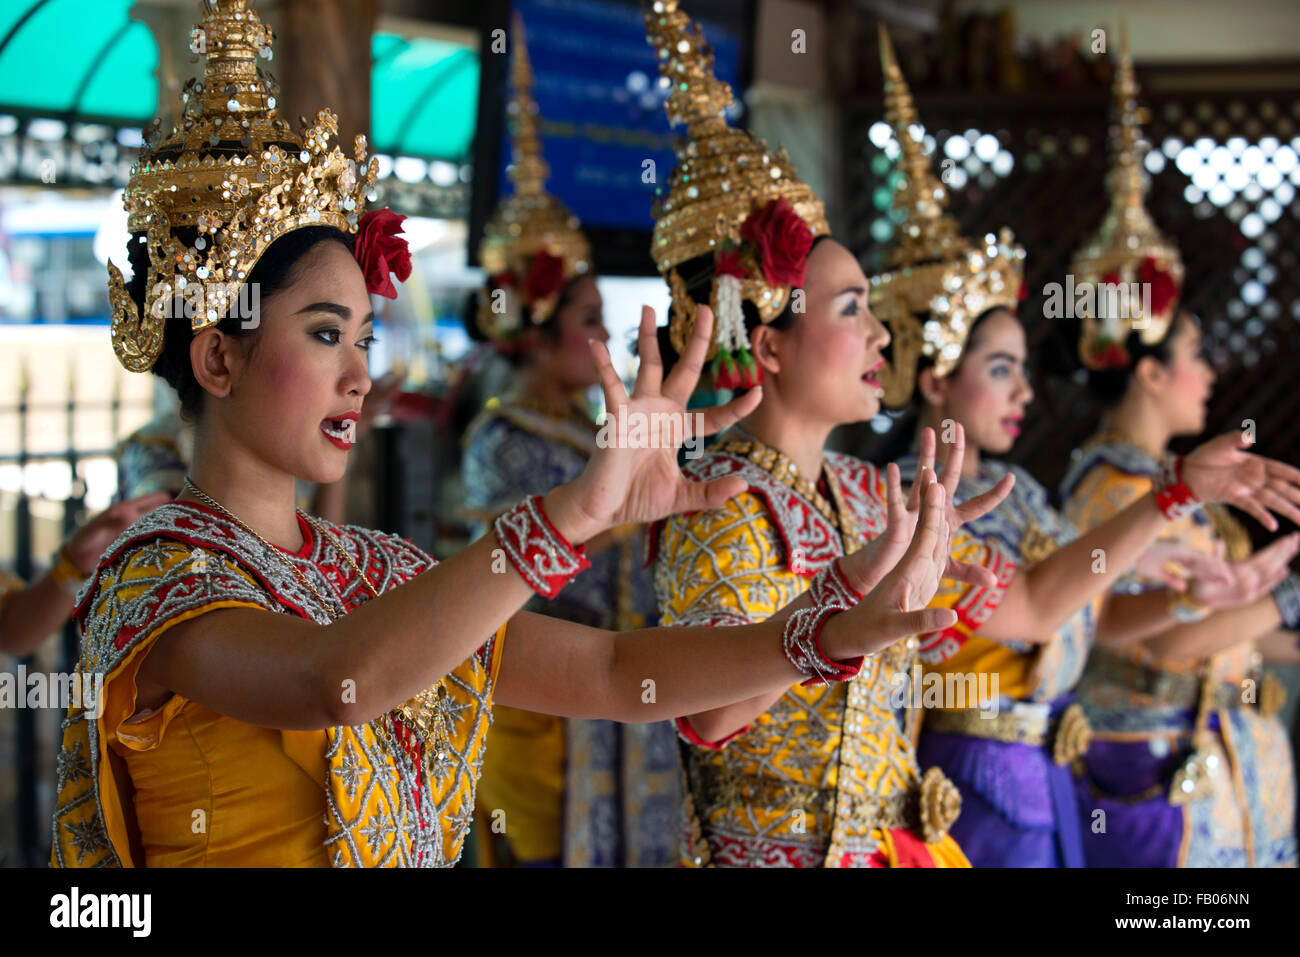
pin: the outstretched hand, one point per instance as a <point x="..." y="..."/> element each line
<point x="1174" y="564"/>
<point x="634" y="476"/>
<point x="896" y="607"/>
<point x="1221" y="470"/>
<point x="1251" y="579"/>
<point x="868" y="565"/>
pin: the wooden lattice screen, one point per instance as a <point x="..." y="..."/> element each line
<point x="1239" y="242"/>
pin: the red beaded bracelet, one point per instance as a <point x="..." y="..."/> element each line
<point x="1173" y="496"/>
<point x="801" y="641"/>
<point x="539" y="553"/>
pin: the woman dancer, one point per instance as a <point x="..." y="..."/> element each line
<point x="581" y="793"/>
<point x="1190" y="766"/>
<point x="280" y="690"/>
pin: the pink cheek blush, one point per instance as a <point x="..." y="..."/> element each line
<point x="288" y="381"/>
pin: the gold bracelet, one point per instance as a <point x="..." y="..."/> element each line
<point x="65" y="573"/>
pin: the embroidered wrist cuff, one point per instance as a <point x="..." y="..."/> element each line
<point x="801" y="641"/>
<point x="1287" y="596"/>
<point x="1173" y="496"/>
<point x="539" y="553"/>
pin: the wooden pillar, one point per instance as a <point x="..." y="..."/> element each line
<point x="170" y="23"/>
<point x="322" y="59"/>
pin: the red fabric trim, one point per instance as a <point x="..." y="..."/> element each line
<point x="652" y="542"/>
<point x="844" y="670"/>
<point x="533" y="546"/>
<point x="687" y="731"/>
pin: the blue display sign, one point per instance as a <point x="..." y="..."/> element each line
<point x="600" y="99"/>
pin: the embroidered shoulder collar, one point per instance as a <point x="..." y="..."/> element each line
<point x="385" y="559"/>
<point x="1105" y="448"/>
<point x="779" y="465"/>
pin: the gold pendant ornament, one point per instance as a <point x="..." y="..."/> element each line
<point x="940" y="805"/>
<point x="1073" y="736"/>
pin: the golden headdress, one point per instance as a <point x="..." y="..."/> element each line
<point x="1128" y="248"/>
<point x="532" y="245"/>
<point x="234" y="174"/>
<point x="932" y="271"/>
<point x="729" y="197"/>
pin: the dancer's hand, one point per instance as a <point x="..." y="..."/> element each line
<point x="634" y="476"/>
<point x="896" y="607"/>
<point x="1221" y="470"/>
<point x="1248" y="580"/>
<point x="867" y="566"/>
<point x="1175" y="564"/>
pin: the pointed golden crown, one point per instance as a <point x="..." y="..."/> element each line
<point x="722" y="176"/>
<point x="1127" y="248"/>
<point x="529" y="221"/>
<point x="234" y="177"/>
<point x="931" y="270"/>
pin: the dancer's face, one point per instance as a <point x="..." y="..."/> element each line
<point x="827" y="365"/>
<point x="989" y="390"/>
<point x="291" y="392"/>
<point x="562" y="354"/>
<point x="1182" y="386"/>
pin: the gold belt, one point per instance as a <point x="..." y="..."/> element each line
<point x="1182" y="689"/>
<point x="929" y="809"/>
<point x="724" y="788"/>
<point x="1069" y="733"/>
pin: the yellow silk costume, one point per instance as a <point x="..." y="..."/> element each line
<point x="183" y="785"/>
<point x="828" y="775"/>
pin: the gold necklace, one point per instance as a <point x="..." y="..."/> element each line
<point x="426" y="713"/>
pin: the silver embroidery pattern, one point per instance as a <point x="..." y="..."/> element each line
<point x="221" y="556"/>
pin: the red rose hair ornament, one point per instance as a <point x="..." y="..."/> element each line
<point x="380" y="251"/>
<point x="781" y="240"/>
